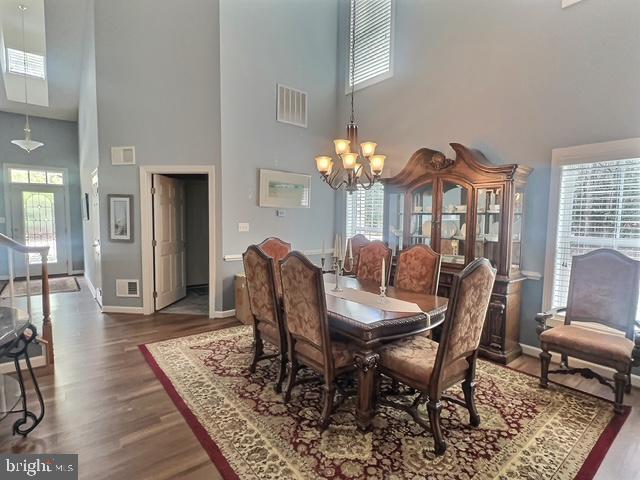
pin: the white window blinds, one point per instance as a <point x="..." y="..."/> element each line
<point x="599" y="207"/>
<point x="365" y="212"/>
<point x="372" y="56"/>
<point x="16" y="63"/>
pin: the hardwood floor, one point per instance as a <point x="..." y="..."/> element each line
<point x="105" y="403"/>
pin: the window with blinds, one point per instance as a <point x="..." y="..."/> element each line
<point x="599" y="206"/>
<point x="371" y="56"/>
<point x="365" y="211"/>
<point x="16" y="63"/>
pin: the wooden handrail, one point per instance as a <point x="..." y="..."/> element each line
<point x="19" y="247"/>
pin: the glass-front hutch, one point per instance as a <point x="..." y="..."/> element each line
<point x="465" y="208"/>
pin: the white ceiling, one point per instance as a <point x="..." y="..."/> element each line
<point x="64" y="25"/>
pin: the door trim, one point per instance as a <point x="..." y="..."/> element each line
<point x="146" y="228"/>
<point x="67" y="209"/>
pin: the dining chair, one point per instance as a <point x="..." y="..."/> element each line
<point x="268" y="325"/>
<point x="357" y="242"/>
<point x="418" y="270"/>
<point x="307" y="326"/>
<point x="370" y="262"/>
<point x="276" y="249"/>
<point x="603" y="289"/>
<point x="432" y="368"/>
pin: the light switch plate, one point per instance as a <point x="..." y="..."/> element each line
<point x="281" y="212"/>
<point x="243" y="227"/>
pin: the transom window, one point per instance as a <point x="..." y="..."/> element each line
<point x="33" y="65"/>
<point x="365" y="211"/>
<point x="36" y="176"/>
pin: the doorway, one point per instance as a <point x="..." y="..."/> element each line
<point x="177" y="223"/>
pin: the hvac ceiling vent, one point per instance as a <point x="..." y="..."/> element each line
<point x="123" y="155"/>
<point x="127" y="288"/>
<point x="292" y="107"/>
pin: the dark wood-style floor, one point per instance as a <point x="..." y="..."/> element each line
<point x="104" y="403"/>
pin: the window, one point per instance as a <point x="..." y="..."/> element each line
<point x="34" y="63"/>
<point x="373" y="42"/>
<point x="598" y="205"/>
<point x="42" y="177"/>
<point x="365" y="211"/>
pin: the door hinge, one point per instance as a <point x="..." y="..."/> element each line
<point x="155" y="294"/>
<point x="154" y="243"/>
<point x="153" y="191"/>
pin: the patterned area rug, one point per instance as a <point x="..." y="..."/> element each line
<point x="56" y="285"/>
<point x="249" y="433"/>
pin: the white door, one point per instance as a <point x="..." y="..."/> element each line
<point x="38" y="218"/>
<point x="169" y="240"/>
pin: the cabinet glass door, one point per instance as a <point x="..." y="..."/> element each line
<point x="396" y="221"/>
<point x="488" y="224"/>
<point x="516" y="229"/>
<point x="453" y="224"/>
<point x="421" y="215"/>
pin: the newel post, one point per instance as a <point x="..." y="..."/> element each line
<point x="47" y="332"/>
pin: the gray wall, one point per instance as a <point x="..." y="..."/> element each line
<point x="513" y="79"/>
<point x="197" y="231"/>
<point x="158" y="88"/>
<point x="292" y="42"/>
<point x="60" y="149"/>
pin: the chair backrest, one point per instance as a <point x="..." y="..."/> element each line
<point x="304" y="304"/>
<point x="603" y="288"/>
<point x="357" y="242"/>
<point x="418" y="270"/>
<point x="276" y="249"/>
<point x="259" y="269"/>
<point x="370" y="262"/>
<point x="465" y="317"/>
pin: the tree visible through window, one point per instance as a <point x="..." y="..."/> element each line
<point x="364" y="212"/>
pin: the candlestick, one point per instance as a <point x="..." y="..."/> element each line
<point x="383" y="276"/>
<point x="338" y="269"/>
<point x="350" y="252"/>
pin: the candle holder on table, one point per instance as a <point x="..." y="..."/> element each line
<point x="339" y="267"/>
<point x="383" y="294"/>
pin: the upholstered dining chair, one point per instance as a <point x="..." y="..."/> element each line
<point x="431" y="368"/>
<point x="418" y="270"/>
<point x="370" y="262"/>
<point x="603" y="289"/>
<point x="276" y="249"/>
<point x="308" y="338"/>
<point x="357" y="242"/>
<point x="260" y="275"/>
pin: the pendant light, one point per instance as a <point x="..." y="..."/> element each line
<point x="26" y="144"/>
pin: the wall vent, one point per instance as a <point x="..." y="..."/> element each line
<point x="123" y="155"/>
<point x="127" y="288"/>
<point x="292" y="106"/>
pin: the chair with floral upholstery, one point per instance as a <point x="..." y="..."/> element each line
<point x="370" y="262"/>
<point x="603" y="289"/>
<point x="307" y="326"/>
<point x="260" y="275"/>
<point x="357" y="242"/>
<point x="418" y="270"/>
<point x="276" y="249"/>
<point x="431" y="368"/>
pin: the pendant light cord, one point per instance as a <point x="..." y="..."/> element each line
<point x="352" y="60"/>
<point x="24" y="61"/>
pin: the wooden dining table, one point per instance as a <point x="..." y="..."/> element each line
<point x="369" y="327"/>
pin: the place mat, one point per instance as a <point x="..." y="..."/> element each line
<point x="372" y="300"/>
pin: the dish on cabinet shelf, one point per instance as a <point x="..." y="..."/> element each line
<point x="449" y="228"/>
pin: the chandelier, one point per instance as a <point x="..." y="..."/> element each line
<point x="355" y="165"/>
<point x="26" y="144"/>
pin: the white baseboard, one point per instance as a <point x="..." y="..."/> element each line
<point x="224" y="313"/>
<point x="8" y="367"/>
<point x="555" y="357"/>
<point x="118" y="309"/>
<point x="76" y="272"/>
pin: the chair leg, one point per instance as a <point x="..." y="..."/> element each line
<point x="469" y="388"/>
<point x="545" y="359"/>
<point x="291" y="380"/>
<point x="564" y="360"/>
<point x="258" y="350"/>
<point x="620" y="379"/>
<point x="282" y="370"/>
<point x="628" y="389"/>
<point x="434" y="408"/>
<point x="327" y="408"/>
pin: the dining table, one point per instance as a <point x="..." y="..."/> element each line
<point x="360" y="315"/>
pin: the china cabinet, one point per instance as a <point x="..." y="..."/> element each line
<point x="465" y="208"/>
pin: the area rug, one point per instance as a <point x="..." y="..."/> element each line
<point x="56" y="285"/>
<point x="249" y="433"/>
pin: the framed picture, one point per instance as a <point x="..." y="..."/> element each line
<point x="85" y="206"/>
<point x="120" y="218"/>
<point x="284" y="189"/>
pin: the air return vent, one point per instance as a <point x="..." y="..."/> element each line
<point x="127" y="288"/>
<point x="292" y="106"/>
<point x="123" y="155"/>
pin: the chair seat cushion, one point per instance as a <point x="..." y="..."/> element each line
<point x="414" y="358"/>
<point x="610" y="349"/>
<point x="342" y="353"/>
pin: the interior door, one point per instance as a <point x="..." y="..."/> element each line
<point x="38" y="218"/>
<point x="169" y="240"/>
